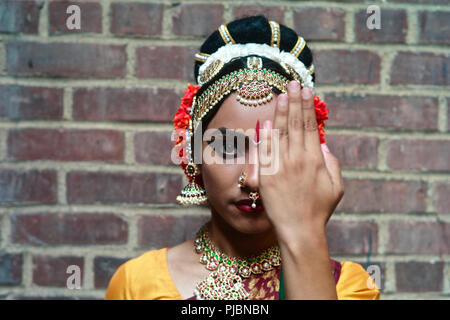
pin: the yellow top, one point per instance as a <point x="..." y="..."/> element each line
<point x="147" y="278"/>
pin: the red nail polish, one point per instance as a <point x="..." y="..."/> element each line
<point x="257" y="131"/>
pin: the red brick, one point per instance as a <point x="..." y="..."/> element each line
<point x="379" y="111"/>
<point x="393" y="25"/>
<point x="157" y="231"/>
<point x="354" y="151"/>
<point x="419" y="237"/>
<point x="118" y="104"/>
<point x="271" y="12"/>
<point x="343" y="66"/>
<point x="196" y="19"/>
<point x="442" y="198"/>
<point x="136" y="18"/>
<point x="66" y="145"/>
<point x="90" y="16"/>
<point x="320" y="23"/>
<point x="154" y="147"/>
<point x="420" y="68"/>
<point x="30" y="103"/>
<point x="421" y="1"/>
<point x="11" y="265"/>
<point x="66" y="59"/>
<point x="112" y="187"/>
<point x="51" y="271"/>
<point x="430" y="155"/>
<point x="448" y="114"/>
<point x="72" y="229"/>
<point x="383" y="196"/>
<point x="434" y="27"/>
<point x="417" y="276"/>
<point x="169" y="62"/>
<point x="28" y="187"/>
<point x="104" y="269"/>
<point x="382" y="268"/>
<point x="20" y="16"/>
<point x="352" y="237"/>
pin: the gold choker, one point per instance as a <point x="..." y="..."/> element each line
<point x="225" y="282"/>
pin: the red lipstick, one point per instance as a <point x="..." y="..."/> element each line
<point x="245" y="205"/>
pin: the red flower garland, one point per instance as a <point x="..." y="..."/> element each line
<point x="182" y="117"/>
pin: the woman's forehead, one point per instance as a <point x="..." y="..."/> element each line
<point x="234" y="115"/>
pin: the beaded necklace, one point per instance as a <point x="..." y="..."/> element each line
<point x="225" y="282"/>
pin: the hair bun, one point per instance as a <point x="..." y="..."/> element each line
<point x="253" y="29"/>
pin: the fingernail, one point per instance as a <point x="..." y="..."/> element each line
<point x="267" y="124"/>
<point x="294" y="86"/>
<point x="306" y="93"/>
<point x="324" y="147"/>
<point x="283" y="100"/>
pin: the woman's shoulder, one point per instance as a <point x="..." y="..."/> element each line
<point x="355" y="283"/>
<point x="145" y="277"/>
<point x="148" y="261"/>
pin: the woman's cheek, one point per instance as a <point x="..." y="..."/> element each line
<point x="219" y="178"/>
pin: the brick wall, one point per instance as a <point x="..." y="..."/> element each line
<point x="85" y="120"/>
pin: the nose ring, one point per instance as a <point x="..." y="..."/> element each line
<point x="254" y="196"/>
<point x="242" y="178"/>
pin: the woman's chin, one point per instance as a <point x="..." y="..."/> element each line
<point x="249" y="222"/>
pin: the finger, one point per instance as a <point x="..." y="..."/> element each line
<point x="280" y="122"/>
<point x="311" y="132"/>
<point x="333" y="168"/>
<point x="295" y="119"/>
<point x="265" y="147"/>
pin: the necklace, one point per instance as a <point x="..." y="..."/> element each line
<point x="225" y="282"/>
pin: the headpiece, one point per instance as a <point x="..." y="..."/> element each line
<point x="239" y="67"/>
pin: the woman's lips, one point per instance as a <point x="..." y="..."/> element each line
<point x="246" y="206"/>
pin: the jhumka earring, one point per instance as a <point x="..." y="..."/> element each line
<point x="192" y="193"/>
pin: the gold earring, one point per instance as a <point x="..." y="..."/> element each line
<point x="192" y="193"/>
<point x="242" y="178"/>
<point x="254" y="196"/>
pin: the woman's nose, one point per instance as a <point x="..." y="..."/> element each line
<point x="252" y="180"/>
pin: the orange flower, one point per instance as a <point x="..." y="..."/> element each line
<point x="182" y="116"/>
<point x="181" y="121"/>
<point x="321" y="116"/>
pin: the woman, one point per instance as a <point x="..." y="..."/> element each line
<point x="266" y="238"/>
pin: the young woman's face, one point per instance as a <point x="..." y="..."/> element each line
<point x="221" y="178"/>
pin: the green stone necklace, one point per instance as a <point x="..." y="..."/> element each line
<point x="213" y="259"/>
<point x="225" y="280"/>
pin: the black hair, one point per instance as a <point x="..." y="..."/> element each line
<point x="254" y="29"/>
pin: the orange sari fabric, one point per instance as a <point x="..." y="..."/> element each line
<point x="147" y="278"/>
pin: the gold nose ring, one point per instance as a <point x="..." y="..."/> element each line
<point x="242" y="178"/>
<point x="254" y="196"/>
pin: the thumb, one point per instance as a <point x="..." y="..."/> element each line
<point x="333" y="167"/>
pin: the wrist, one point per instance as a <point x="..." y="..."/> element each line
<point x="301" y="232"/>
<point x="304" y="239"/>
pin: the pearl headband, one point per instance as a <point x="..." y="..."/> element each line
<point x="230" y="51"/>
